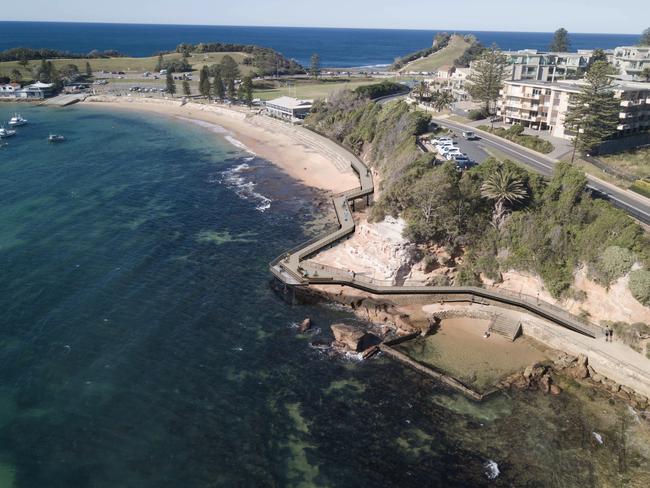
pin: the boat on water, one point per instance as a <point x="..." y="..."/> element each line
<point x="17" y="121"/>
<point x="55" y="138"/>
<point x="6" y="132"/>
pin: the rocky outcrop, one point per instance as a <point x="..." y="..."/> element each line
<point x="305" y="325"/>
<point x="353" y="339"/>
<point x="534" y="377"/>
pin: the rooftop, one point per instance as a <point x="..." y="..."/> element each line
<point x="290" y="102"/>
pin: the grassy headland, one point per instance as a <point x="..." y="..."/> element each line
<point x="454" y="49"/>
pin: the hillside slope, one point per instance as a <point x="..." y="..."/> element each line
<point x="446" y="56"/>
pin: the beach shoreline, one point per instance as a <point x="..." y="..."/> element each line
<point x="296" y="151"/>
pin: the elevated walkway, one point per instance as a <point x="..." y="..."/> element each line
<point x="294" y="268"/>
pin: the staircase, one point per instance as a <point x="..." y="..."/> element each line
<point x="506" y="327"/>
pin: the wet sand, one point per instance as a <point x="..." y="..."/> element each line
<point x="460" y="350"/>
<point x="300" y="157"/>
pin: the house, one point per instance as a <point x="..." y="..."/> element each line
<point x="445" y="72"/>
<point x="289" y="108"/>
<point x="9" y="90"/>
<point x="543" y="105"/>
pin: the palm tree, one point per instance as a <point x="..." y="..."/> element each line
<point x="443" y="100"/>
<point x="506" y="189"/>
<point x="421" y="90"/>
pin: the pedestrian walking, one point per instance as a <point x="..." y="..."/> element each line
<point x="611" y="335"/>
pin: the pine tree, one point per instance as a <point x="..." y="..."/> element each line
<point x="561" y="42"/>
<point x="160" y="63"/>
<point x="204" y="82"/>
<point x="170" y="84"/>
<point x="247" y="90"/>
<point x="593" y="113"/>
<point x="186" y="88"/>
<point x="89" y="70"/>
<point x="645" y="38"/>
<point x="218" y="90"/>
<point x="230" y="88"/>
<point x="487" y="77"/>
<point x="314" y="69"/>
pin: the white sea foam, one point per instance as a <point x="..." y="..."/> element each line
<point x="207" y="125"/>
<point x="245" y="189"/>
<point x="491" y="469"/>
<point x="239" y="145"/>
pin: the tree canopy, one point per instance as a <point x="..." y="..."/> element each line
<point x="487" y="78"/>
<point x="561" y="42"/>
<point x="593" y="113"/>
<point x="645" y="38"/>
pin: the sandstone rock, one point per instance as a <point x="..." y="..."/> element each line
<point x="528" y="372"/>
<point x="596" y="378"/>
<point x="627" y="391"/>
<point x="545" y="383"/>
<point x="555" y="390"/>
<point x="305" y="325"/>
<point x="348" y="335"/>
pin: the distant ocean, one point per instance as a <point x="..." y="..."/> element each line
<point x="337" y="47"/>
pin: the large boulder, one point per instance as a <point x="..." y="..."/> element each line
<point x="349" y="336"/>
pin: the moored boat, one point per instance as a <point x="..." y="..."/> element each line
<point x="17" y="121"/>
<point x="55" y="138"/>
<point x="6" y="132"/>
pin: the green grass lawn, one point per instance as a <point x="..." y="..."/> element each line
<point x="311" y="89"/>
<point x="128" y="65"/>
<point x="635" y="162"/>
<point x="446" y="56"/>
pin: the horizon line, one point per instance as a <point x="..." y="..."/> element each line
<point x="310" y="27"/>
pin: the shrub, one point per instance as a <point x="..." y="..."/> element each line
<point x="516" y="129"/>
<point x="613" y="263"/>
<point x="378" y="90"/>
<point x="640" y="285"/>
<point x="477" y="114"/>
<point x="467" y="277"/>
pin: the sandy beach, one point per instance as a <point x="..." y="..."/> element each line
<point x="303" y="155"/>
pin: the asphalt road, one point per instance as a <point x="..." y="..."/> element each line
<point x="635" y="205"/>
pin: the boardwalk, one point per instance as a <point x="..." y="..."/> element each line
<point x="294" y="268"/>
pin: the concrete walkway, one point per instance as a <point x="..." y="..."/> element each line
<point x="544" y="321"/>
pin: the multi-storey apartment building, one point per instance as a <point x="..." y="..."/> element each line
<point x="543" y="105"/>
<point x="530" y="64"/>
<point x="631" y="60"/>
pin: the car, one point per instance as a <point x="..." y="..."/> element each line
<point x="464" y="165"/>
<point x="448" y="149"/>
<point x="469" y="135"/>
<point x="455" y="156"/>
<point x="449" y="154"/>
<point x="440" y="145"/>
<point x="441" y="139"/>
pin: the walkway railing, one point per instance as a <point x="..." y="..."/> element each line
<point x="295" y="264"/>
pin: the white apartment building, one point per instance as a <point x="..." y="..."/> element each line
<point x="530" y="64"/>
<point x="631" y="60"/>
<point x="543" y="106"/>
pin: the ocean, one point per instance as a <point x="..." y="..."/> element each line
<point x="337" y="47"/>
<point x="141" y="344"/>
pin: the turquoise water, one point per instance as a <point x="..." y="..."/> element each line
<point x="142" y="346"/>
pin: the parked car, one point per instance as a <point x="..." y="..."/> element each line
<point x="469" y="135"/>
<point x="451" y="151"/>
<point x="455" y="155"/>
<point x="441" y="139"/>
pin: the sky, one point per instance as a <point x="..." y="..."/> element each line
<point x="598" y="16"/>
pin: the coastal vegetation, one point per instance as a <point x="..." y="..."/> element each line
<point x="515" y="133"/>
<point x="494" y="217"/>
<point x="378" y="90"/>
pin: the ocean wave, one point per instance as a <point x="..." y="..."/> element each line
<point x="491" y="469"/>
<point x="206" y="125"/>
<point x="239" y="145"/>
<point x="245" y="189"/>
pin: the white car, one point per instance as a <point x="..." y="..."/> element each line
<point x="441" y="145"/>
<point x="456" y="156"/>
<point x="441" y="139"/>
<point x="450" y="151"/>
